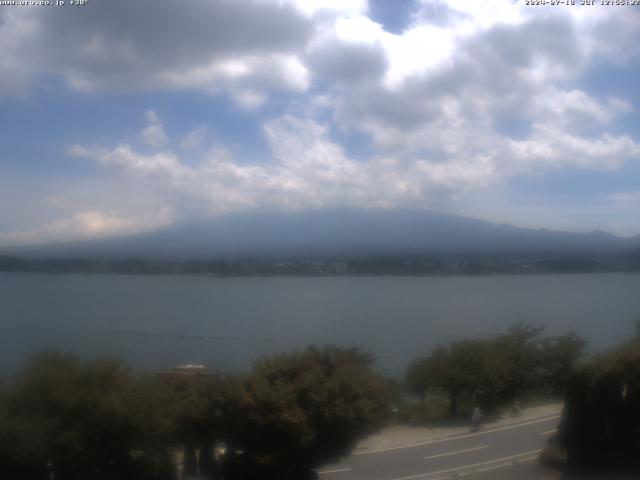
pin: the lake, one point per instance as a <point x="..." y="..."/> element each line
<point x="158" y="321"/>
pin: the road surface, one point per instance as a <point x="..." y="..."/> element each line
<point x="500" y="450"/>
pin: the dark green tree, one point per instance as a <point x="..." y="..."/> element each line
<point x="71" y="417"/>
<point x="559" y="359"/>
<point x="600" y="426"/>
<point x="521" y="350"/>
<point x="463" y="369"/>
<point x="495" y="371"/>
<point x="184" y="413"/>
<point x="299" y="410"/>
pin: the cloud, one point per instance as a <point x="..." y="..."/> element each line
<point x="124" y="158"/>
<point x="194" y="139"/>
<point x="15" y="69"/>
<point x="149" y="45"/>
<point x="499" y="72"/>
<point x="340" y="62"/>
<point x="549" y="146"/>
<point x="246" y="48"/>
<point x="249" y="99"/>
<point x="309" y="170"/>
<point x="86" y="225"/>
<point x="154" y="136"/>
<point x="152" y="116"/>
<point x="469" y="96"/>
<point x="341" y="7"/>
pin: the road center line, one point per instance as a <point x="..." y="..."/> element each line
<point x="337" y="470"/>
<point x="431" y="442"/>
<point x="493" y="466"/>
<point x="466" y="467"/>
<point x="455" y="453"/>
<point x="549" y="432"/>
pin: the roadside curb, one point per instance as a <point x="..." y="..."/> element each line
<point x="453" y="435"/>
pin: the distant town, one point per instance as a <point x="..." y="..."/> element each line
<point x="370" y="265"/>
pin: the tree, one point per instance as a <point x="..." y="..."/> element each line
<point x="463" y="368"/>
<point x="560" y="356"/>
<point x="71" y="418"/>
<point x="521" y="350"/>
<point x="183" y="412"/>
<point x="600" y="426"/>
<point x="298" y="410"/>
<point x="494" y="371"/>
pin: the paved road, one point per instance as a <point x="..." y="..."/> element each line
<point x="490" y="450"/>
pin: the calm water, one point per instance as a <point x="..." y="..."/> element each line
<point x="158" y="321"/>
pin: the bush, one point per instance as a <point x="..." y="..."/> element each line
<point x="432" y="409"/>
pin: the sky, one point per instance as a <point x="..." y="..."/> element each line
<point x="122" y="116"/>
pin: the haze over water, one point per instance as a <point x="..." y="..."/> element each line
<point x="158" y="321"/>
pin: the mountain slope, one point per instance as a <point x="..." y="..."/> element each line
<point x="339" y="233"/>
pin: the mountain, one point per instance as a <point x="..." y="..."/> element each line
<point x="631" y="258"/>
<point x="340" y="232"/>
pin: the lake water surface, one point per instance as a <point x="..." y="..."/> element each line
<point x="159" y="321"/>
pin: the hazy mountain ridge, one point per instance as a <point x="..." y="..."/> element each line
<point x="340" y="233"/>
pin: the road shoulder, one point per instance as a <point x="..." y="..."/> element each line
<point x="400" y="436"/>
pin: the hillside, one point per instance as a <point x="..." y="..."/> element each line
<point x="340" y="233"/>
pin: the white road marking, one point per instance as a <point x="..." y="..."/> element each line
<point x="455" y="453"/>
<point x="494" y="467"/>
<point x="549" y="432"/>
<point x="337" y="470"/>
<point x="431" y="442"/>
<point x="466" y="467"/>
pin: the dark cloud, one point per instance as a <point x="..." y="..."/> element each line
<point x="403" y="109"/>
<point x="124" y="44"/>
<point x="351" y="63"/>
